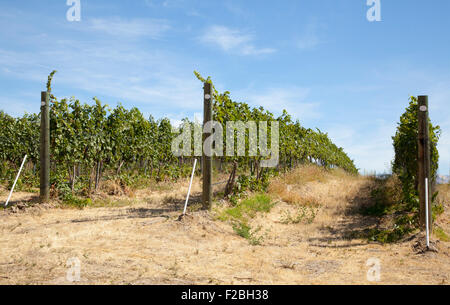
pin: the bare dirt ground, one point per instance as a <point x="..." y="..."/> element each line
<point x="143" y="242"/>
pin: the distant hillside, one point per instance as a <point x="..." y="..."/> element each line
<point x="442" y="179"/>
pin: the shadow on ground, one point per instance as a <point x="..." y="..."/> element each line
<point x="169" y="206"/>
<point x="21" y="203"/>
<point x="354" y="226"/>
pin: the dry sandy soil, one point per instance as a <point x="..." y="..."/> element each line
<point x="143" y="242"/>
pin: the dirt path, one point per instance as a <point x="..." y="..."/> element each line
<point x="145" y="244"/>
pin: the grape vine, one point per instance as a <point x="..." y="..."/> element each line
<point x="93" y="142"/>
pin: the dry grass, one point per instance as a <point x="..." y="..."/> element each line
<point x="295" y="187"/>
<point x="144" y="243"/>
<point x="444" y="193"/>
<point x="442" y="225"/>
<point x="305" y="173"/>
<point x="393" y="190"/>
<point x="115" y="188"/>
<point x="319" y="199"/>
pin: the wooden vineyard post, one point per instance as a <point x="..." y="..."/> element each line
<point x="45" y="149"/>
<point x="207" y="160"/>
<point x="424" y="162"/>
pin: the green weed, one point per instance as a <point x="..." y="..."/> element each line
<point x="440" y="234"/>
<point x="244" y="230"/>
<point x="305" y="214"/>
<point x="245" y="210"/>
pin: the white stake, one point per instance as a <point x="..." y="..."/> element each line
<point x="190" y="184"/>
<point x="18" y="174"/>
<point x="426" y="213"/>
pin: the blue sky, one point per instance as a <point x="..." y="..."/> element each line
<point x="322" y="60"/>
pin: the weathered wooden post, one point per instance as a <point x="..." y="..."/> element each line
<point x="207" y="160"/>
<point x="424" y="162"/>
<point x="45" y="149"/>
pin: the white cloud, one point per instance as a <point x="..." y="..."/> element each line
<point x="18" y="106"/>
<point x="234" y="9"/>
<point x="293" y="99"/>
<point x="310" y="36"/>
<point x="193" y="13"/>
<point x="225" y="38"/>
<point x="133" y="28"/>
<point x="309" y="41"/>
<point x="177" y="118"/>
<point x="233" y="41"/>
<point x="164" y="3"/>
<point x="372" y="149"/>
<point x="151" y="80"/>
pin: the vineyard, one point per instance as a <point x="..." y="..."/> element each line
<point x="117" y="190"/>
<point x="91" y="143"/>
<point x="224" y="147"/>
